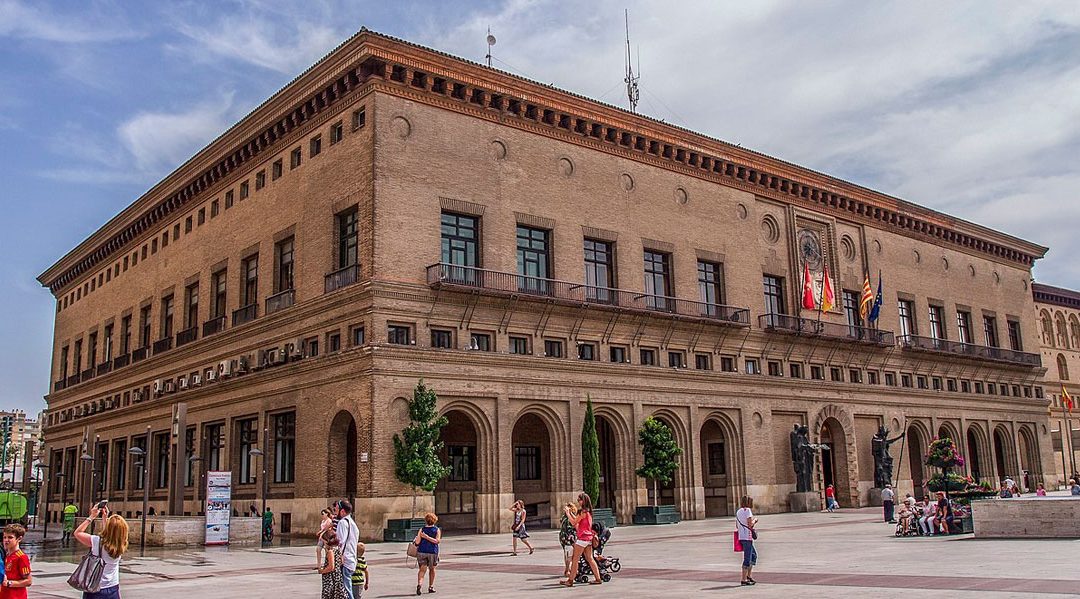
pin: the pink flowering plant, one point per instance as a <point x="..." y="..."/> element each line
<point x="942" y="454"/>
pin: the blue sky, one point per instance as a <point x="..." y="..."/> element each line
<point x="972" y="108"/>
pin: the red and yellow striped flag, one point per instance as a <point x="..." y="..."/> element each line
<point x="867" y="298"/>
<point x="1066" y="399"/>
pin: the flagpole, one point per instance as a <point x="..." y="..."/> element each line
<point x="1072" y="446"/>
<point x="1064" y="466"/>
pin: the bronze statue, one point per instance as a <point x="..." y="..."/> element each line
<point x="803" y="454"/>
<point x="883" y="467"/>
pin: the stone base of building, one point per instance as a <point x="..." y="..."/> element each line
<point x="873" y="496"/>
<point x="804" y="502"/>
<point x="1046" y="517"/>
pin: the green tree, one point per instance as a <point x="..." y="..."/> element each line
<point x="590" y="453"/>
<point x="661" y="454"/>
<point x="416" y="450"/>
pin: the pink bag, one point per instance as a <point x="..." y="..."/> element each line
<point x="738" y="543"/>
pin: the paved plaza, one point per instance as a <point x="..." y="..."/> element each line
<point x="845" y="554"/>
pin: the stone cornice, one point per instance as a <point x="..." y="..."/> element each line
<point x="1057" y="296"/>
<point x="400" y="67"/>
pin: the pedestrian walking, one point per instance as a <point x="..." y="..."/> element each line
<point x="830" y="499"/>
<point x="17" y="575"/>
<point x="360" y="578"/>
<point x="348" y="534"/>
<point x="1040" y="490"/>
<point x="333" y="585"/>
<point x="427" y="551"/>
<point x="518" y="527"/>
<point x="583" y="534"/>
<point x="327" y="522"/>
<point x="110" y="546"/>
<point x="71" y="511"/>
<point x="744" y="525"/>
<point x="887" y="503"/>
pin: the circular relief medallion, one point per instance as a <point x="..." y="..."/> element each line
<point x="770" y="231"/>
<point x="741" y="211"/>
<point x="681" y="196"/>
<point x="498" y="150"/>
<point x="877" y="247"/>
<point x="847" y="247"/>
<point x="627" y="182"/>
<point x="401" y="127"/>
<point x="566" y="167"/>
<point x="810" y="249"/>
<point x="757" y="419"/>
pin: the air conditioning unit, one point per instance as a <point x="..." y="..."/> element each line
<point x="196" y="380"/>
<point x="136" y="395"/>
<point x="242" y="365"/>
<point x="279" y="356"/>
<point x="159" y="387"/>
<point x="182" y="382"/>
<point x="225" y="369"/>
<point x="170" y="386"/>
<point x="211" y="374"/>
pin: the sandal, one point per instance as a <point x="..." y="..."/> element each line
<point x="566" y="583"/>
<point x="596" y="581"/>
<point x="530" y="551"/>
<point x="417" y="589"/>
<point x="431" y="589"/>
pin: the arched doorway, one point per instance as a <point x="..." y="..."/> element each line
<point x="916" y="446"/>
<point x="608" y="463"/>
<point x="1001" y="453"/>
<point x="834" y="462"/>
<point x="715" y="469"/>
<point x="533" y="467"/>
<point x="341" y="447"/>
<point x="668" y="491"/>
<point x="1029" y="460"/>
<point x="455" y="495"/>
<point x="974" y="458"/>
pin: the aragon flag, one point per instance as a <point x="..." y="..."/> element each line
<point x="807" y="289"/>
<point x="866" y="299"/>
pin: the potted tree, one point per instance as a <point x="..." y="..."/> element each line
<point x="590" y="465"/>
<point x="661" y="455"/>
<point x="416" y="458"/>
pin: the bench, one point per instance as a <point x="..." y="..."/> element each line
<point x="657" y="514"/>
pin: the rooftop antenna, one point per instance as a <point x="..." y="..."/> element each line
<point x="490" y="43"/>
<point x="631" y="80"/>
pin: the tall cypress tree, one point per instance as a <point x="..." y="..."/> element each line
<point x="661" y="454"/>
<point x="416" y="451"/>
<point x="590" y="453"/>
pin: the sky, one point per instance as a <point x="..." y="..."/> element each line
<point x="971" y="108"/>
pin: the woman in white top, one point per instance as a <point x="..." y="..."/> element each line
<point x="110" y="546"/>
<point x="744" y="524"/>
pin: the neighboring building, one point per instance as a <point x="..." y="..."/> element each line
<point x="1058" y="314"/>
<point x="396" y="213"/>
<point x="16" y="430"/>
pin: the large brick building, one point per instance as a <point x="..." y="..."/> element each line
<point x="1058" y="314"/>
<point x="397" y="213"/>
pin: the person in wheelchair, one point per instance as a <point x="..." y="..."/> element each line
<point x="906" y="525"/>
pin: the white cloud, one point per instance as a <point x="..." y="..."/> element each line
<point x="35" y="21"/>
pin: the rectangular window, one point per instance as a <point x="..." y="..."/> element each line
<point x="774" y="297"/>
<point x="991" y="388"/>
<point x="91" y="354"/>
<point x="1015" y="342"/>
<point x="275" y="170"/>
<point x="703" y="361"/>
<point x="202" y="216"/>
<point x="905" y="380"/>
<point x="333" y="342"/>
<point x="963" y="326"/>
<point x="871" y="377"/>
<point x="337" y="132"/>
<point x="752" y="366"/>
<point x="461" y="246"/>
<point x="905" y="310"/>
<point x="139" y="464"/>
<point x="978" y="387"/>
<point x="519" y="345"/>
<point x="125" y="335"/>
<point x="78" y="356"/>
<point x="107" y="345"/>
<point x="617" y="354"/>
<point x="260" y="180"/>
<point x="144" y="328"/>
<point x="315" y="146"/>
<point x="599" y="271"/>
<point x="817" y="372"/>
<point x="442" y="339"/>
<point x="711" y="285"/>
<point x="357" y="336"/>
<point x="727" y="364"/>
<point x="462" y="462"/>
<point x="161" y="461"/>
<point x="890" y="379"/>
<point x="533" y="259"/>
<point x="676" y="359"/>
<point x="347" y="238"/>
<point x="284" y="252"/>
<point x="553" y="348"/>
<point x="481" y="342"/>
<point x="295" y="158"/>
<point x="311" y="347"/>
<point x="215" y="209"/>
<point x="717" y="459"/>
<point x="990" y="331"/>
<point x="527" y="462"/>
<point x="249" y="284"/>
<point x="359" y="118"/>
<point x="648" y="357"/>
<point x="937" y="323"/>
<point x="189" y="452"/>
<point x="854" y="375"/>
<point x="244" y="191"/>
<point x="217" y="293"/>
<point x="167" y="317"/>
<point x="836" y="375"/>
<point x="851" y="313"/>
<point x="965" y="386"/>
<point x="175" y="236"/>
<point x="120" y="457"/>
<point x="215" y="445"/>
<point x="191" y="300"/>
<point x="658" y="290"/>
<point x="795" y="370"/>
<point x="935" y="383"/>
<point x="950" y="385"/>
<point x="284" y="447"/>
<point x="247" y="439"/>
<point x="586" y="351"/>
<point x="187" y="226"/>
<point x="921" y="382"/>
<point x="398" y="334"/>
<point x="228" y="199"/>
<point x="775" y="368"/>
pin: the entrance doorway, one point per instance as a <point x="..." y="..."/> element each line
<point x="532" y="468"/>
<point x="606" y="436"/>
<point x="715" y="469"/>
<point x="455" y="495"/>
<point x="834" y="461"/>
<point x="974" y="460"/>
<point x="1001" y="444"/>
<point x="342" y="447"/>
<point x="916" y="446"/>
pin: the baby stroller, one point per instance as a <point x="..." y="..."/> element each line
<point x="606" y="565"/>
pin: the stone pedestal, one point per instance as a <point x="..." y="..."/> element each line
<point x="656" y="514"/>
<point x="804" y="502"/>
<point x="874" y="497"/>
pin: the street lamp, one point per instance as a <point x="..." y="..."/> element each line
<point x="140" y="455"/>
<point x="258" y="453"/>
<point x="196" y="480"/>
<point x="45" y="467"/>
<point x="88" y="461"/>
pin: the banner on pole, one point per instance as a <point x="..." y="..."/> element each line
<point x="218" y="506"/>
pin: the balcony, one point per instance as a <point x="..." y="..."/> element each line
<point x="343" y="277"/>
<point x="978" y="352"/>
<point x="72" y="380"/>
<point x="280" y="301"/>
<point x="104" y="368"/>
<point x="140" y="354"/>
<point x="87" y="374"/>
<point x="811" y="327"/>
<point x="465" y="278"/>
<point x="60" y="385"/>
<point x="214" y="325"/>
<point x="246" y="314"/>
<point x="187" y="336"/>
<point x="121" y="361"/>
<point x="163" y="345"/>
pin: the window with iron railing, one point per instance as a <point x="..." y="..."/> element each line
<point x="658" y="288"/>
<point x="249" y="272"/>
<point x="191" y="300"/>
<point x="963" y="326"/>
<point x="711" y="284"/>
<point x="599" y="270"/>
<point x="533" y="259"/>
<point x="347" y="237"/>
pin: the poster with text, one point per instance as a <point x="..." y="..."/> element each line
<point x="218" y="506"/>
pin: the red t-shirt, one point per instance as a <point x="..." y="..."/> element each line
<point x="584" y="527"/>
<point x="829" y="492"/>
<point x="17" y="567"/>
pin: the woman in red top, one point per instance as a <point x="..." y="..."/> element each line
<point x="582" y="522"/>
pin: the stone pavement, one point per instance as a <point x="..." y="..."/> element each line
<point x="846" y="554"/>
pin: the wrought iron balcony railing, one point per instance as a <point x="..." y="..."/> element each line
<point x="245" y="314"/>
<point x="121" y="361"/>
<point x="163" y="345"/>
<point x="187" y="336"/>
<point x="214" y="325"/>
<point x="60" y="385"/>
<point x="73" y="380"/>
<point x="104" y="368"/>
<point x="970" y="350"/>
<point x="280" y="301"/>
<point x="88" y="374"/>
<point x="140" y="354"/>
<point x="503" y="283"/>
<point x="342" y="277"/>
<point x="810" y="327"/>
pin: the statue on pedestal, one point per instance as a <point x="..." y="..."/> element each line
<point x="803" y="454"/>
<point x="883" y="462"/>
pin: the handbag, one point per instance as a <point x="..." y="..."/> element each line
<point x="738" y="544"/>
<point x="413" y="550"/>
<point x="87" y="575"/>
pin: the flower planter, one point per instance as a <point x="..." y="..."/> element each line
<point x="656" y="514"/>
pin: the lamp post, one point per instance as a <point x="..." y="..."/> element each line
<point x="258" y="453"/>
<point x="45" y="467"/>
<point x="196" y="480"/>
<point x="140" y="456"/>
<point x="88" y="462"/>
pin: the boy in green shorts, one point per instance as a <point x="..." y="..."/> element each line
<point x="360" y="577"/>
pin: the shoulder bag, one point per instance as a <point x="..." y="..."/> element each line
<point x="87" y="575"/>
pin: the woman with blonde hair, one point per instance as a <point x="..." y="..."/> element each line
<point x="110" y="545"/>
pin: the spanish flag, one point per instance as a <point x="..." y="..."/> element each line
<point x="828" y="300"/>
<point x="1066" y="399"/>
<point x="867" y="298"/>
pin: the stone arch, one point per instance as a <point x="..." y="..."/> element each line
<point x="539" y="426"/>
<point x="846" y="461"/>
<point x="1061" y="334"/>
<point x="683" y="474"/>
<point x="342" y="441"/>
<point x="947" y="429"/>
<point x="1031" y="468"/>
<point x="734" y="475"/>
<point x="918" y="438"/>
<point x="1003" y="453"/>
<point x="1046" y="323"/>
<point x="617" y="461"/>
<point x="1074" y="330"/>
<point x="976" y="452"/>
<point x="1062" y="367"/>
<point x="466" y="498"/>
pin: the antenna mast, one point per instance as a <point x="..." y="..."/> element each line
<point x="631" y="80"/>
<point x="490" y="43"/>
